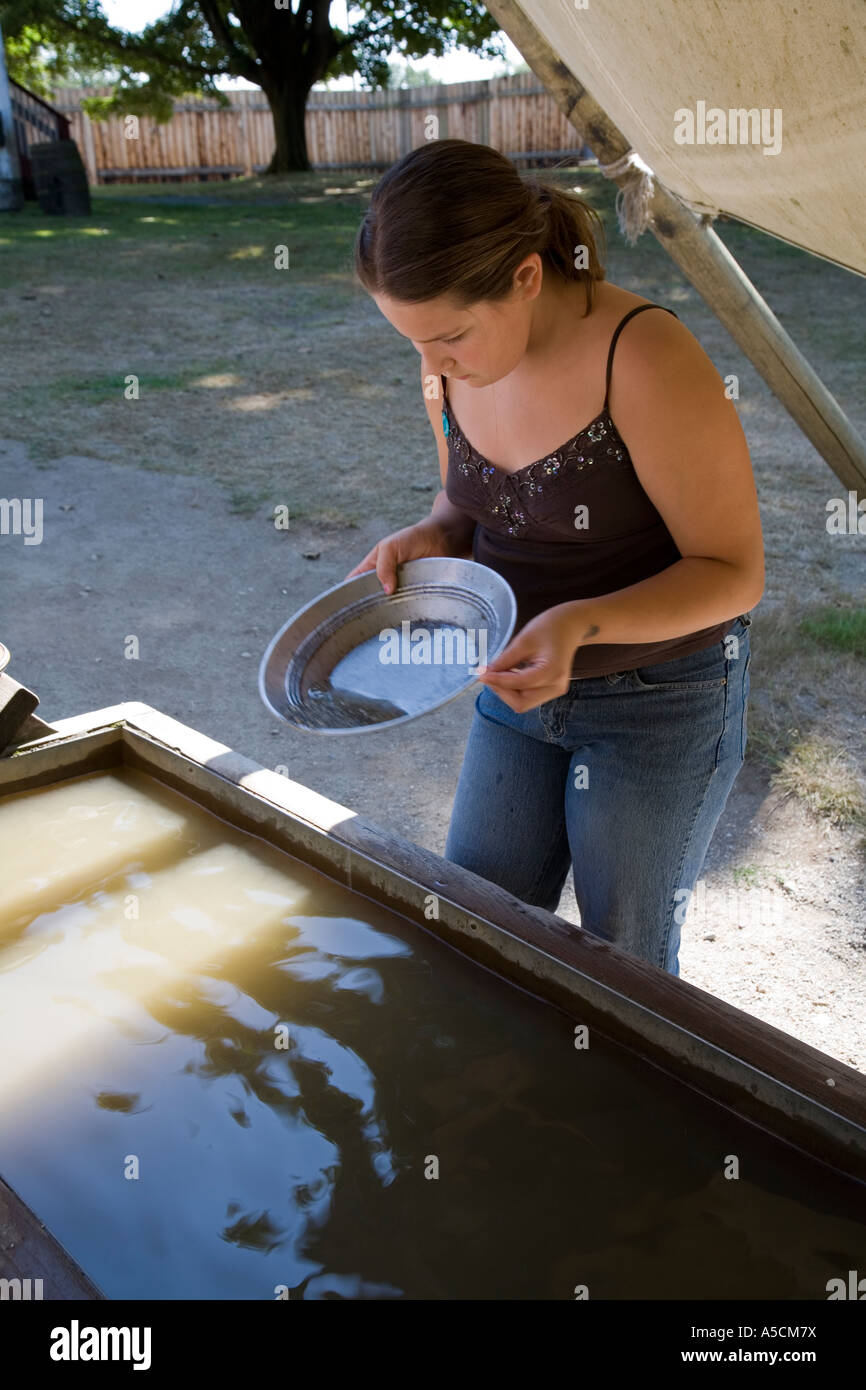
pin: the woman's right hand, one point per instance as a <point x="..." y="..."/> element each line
<point x="416" y="542"/>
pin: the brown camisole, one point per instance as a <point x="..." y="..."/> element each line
<point x="526" y="529"/>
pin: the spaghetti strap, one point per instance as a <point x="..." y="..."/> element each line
<point x="620" y="326"/>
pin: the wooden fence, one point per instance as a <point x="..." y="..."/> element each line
<point x="345" y="129"/>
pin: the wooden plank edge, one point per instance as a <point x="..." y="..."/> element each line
<point x="33" y="1264"/>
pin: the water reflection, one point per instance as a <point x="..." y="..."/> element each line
<point x="323" y="1100"/>
<point x="119" y="1103"/>
<point x="251" y="1232"/>
<point x="294" y="1066"/>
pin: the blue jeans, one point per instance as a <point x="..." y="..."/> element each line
<point x="623" y="779"/>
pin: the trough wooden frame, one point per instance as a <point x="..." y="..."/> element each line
<point x="768" y="1077"/>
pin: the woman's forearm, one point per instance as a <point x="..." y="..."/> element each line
<point x="692" y="594"/>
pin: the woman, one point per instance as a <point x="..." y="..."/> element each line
<point x="608" y="734"/>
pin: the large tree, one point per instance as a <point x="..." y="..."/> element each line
<point x="283" y="46"/>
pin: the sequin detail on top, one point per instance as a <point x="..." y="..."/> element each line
<point x="505" y="491"/>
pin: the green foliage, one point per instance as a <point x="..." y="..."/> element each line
<point x="42" y="68"/>
<point x="429" y="31"/>
<point x="198" y="41"/>
<point x="136" y="101"/>
<point x="49" y="44"/>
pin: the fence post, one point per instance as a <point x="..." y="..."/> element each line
<point x="405" y="120"/>
<point x="245" y="141"/>
<point x="444" y="127"/>
<point x="89" y="151"/>
<point x="484" y="112"/>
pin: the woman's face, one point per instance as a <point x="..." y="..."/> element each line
<point x="481" y="343"/>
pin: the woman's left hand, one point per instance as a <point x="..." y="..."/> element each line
<point x="544" y="651"/>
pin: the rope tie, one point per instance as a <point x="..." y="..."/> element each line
<point x="634" y="193"/>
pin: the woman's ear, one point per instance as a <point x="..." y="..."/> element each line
<point x="528" y="276"/>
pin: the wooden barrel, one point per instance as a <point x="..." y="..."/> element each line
<point x="60" y="178"/>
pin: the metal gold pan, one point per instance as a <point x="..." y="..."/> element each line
<point x="356" y="659"/>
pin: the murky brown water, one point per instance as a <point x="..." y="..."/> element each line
<point x="223" y="1075"/>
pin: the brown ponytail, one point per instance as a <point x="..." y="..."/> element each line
<point x="455" y="218"/>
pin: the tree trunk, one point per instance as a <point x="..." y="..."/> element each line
<point x="288" y="107"/>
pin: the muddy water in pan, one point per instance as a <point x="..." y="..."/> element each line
<point x="224" y="1076"/>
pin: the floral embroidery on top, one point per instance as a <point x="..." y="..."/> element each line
<point x="505" y="491"/>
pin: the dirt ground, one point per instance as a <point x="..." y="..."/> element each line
<point x="256" y="391"/>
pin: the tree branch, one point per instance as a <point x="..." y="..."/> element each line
<point x="244" y="65"/>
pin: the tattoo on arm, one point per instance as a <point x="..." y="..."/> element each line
<point x="590" y="632"/>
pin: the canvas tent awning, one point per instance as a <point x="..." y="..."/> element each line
<point x="634" y="75"/>
<point x="803" y="68"/>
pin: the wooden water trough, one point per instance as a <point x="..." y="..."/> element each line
<point x="813" y="1104"/>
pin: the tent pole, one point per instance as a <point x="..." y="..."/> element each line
<point x="706" y="262"/>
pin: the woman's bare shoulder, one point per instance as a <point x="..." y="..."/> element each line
<point x="657" y="350"/>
